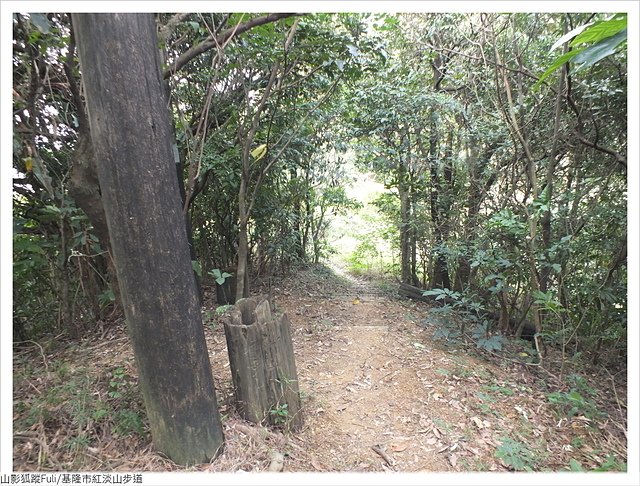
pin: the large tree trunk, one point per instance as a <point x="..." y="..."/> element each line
<point x="83" y="179"/>
<point x="131" y="133"/>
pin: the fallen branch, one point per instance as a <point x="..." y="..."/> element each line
<point x="44" y="453"/>
<point x="378" y="450"/>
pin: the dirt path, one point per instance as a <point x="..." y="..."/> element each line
<point x="368" y="387"/>
<point x="374" y="385"/>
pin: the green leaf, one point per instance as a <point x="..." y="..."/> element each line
<point x="353" y="50"/>
<point x="493" y="343"/>
<point x="600" y="50"/>
<point x="220" y="277"/>
<point x="433" y="292"/>
<point x="599" y="31"/>
<point x="42" y="174"/>
<point x="556" y="64"/>
<point x="194" y="25"/>
<point x="197" y="267"/>
<point x="575" y="466"/>
<point x="568" y="36"/>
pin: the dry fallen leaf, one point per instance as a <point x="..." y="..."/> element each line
<point x="316" y="465"/>
<point x="453" y="460"/>
<point x="521" y="411"/>
<point x="399" y="447"/>
<point x="478" y="423"/>
<point x="473" y="450"/>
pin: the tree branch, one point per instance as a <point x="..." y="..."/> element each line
<point x="621" y="159"/>
<point x="211" y="41"/>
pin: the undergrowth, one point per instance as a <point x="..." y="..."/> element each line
<point x="82" y="406"/>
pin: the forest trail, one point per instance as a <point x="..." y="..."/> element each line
<point x="379" y="393"/>
<point x="371" y="384"/>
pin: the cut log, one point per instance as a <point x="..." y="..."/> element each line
<point x="262" y="364"/>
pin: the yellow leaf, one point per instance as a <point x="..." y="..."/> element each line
<point x="356" y="302"/>
<point x="259" y="152"/>
<point x="523" y="354"/>
<point x="28" y="163"/>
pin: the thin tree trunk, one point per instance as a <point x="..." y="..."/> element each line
<point x="405" y="241"/>
<point x="242" y="287"/>
<point x="545" y="221"/>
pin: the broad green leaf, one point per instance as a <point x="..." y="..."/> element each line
<point x="197" y="267"/>
<point x="556" y="64"/>
<point x="600" y="50"/>
<point x="353" y="50"/>
<point x="432" y="292"/>
<point x="42" y="174"/>
<point x="599" y="31"/>
<point x="568" y="36"/>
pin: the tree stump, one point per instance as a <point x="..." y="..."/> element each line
<point x="262" y="363"/>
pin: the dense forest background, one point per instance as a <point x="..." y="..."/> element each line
<point x="504" y="168"/>
<point x="339" y="163"/>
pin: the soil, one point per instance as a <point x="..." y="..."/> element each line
<point x="379" y="393"/>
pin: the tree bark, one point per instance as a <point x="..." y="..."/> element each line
<point x="263" y="365"/>
<point x="83" y="179"/>
<point x="242" y="277"/>
<point x="405" y="224"/>
<point x="441" y="269"/>
<point x="131" y="133"/>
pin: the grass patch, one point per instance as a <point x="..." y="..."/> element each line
<point x="77" y="405"/>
